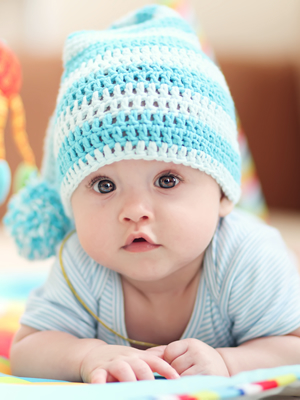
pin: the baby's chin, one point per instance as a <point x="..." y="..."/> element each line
<point x="156" y="266"/>
<point x="142" y="270"/>
<point x="153" y="277"/>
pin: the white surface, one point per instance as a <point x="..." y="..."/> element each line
<point x="11" y="261"/>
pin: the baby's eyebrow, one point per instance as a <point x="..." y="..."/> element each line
<point x="94" y="178"/>
<point x="170" y="171"/>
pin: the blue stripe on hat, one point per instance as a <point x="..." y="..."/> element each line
<point x="133" y="30"/>
<point x="100" y="47"/>
<point x="168" y="22"/>
<point x="138" y="17"/>
<point x="142" y="16"/>
<point x="155" y="73"/>
<point x="159" y="128"/>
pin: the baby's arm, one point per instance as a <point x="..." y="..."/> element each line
<point x="192" y="357"/>
<point x="60" y="355"/>
<point x="265" y="352"/>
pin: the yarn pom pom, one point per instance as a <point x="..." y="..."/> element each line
<point x="36" y="220"/>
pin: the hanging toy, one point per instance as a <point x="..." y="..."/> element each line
<point x="10" y="84"/>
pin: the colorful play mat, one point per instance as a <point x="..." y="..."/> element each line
<point x="247" y="385"/>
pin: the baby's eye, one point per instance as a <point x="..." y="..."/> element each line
<point x="167" y="181"/>
<point x="104" y="186"/>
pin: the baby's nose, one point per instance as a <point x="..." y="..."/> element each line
<point x="136" y="209"/>
<point x="136" y="218"/>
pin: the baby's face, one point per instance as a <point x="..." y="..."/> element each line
<point x="147" y="219"/>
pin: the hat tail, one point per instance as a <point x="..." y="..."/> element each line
<point x="35" y="217"/>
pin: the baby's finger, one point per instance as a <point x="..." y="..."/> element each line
<point x="121" y="371"/>
<point x="99" y="375"/>
<point x="183" y="362"/>
<point x="157" y="351"/>
<point x="110" y="379"/>
<point x="175" y="349"/>
<point x="193" y="370"/>
<point x="161" y="367"/>
<point x="141" y="369"/>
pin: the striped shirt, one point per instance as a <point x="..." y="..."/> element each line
<point x="249" y="288"/>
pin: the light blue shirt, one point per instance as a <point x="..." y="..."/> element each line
<point x="249" y="288"/>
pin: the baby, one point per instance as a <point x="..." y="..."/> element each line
<point x="160" y="274"/>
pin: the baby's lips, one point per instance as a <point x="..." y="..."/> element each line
<point x="138" y="235"/>
<point x="140" y="246"/>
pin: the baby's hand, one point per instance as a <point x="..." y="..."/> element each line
<point x="192" y="357"/>
<point x="111" y="363"/>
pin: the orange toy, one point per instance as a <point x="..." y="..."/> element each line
<point x="10" y="83"/>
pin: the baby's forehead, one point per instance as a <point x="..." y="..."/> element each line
<point x="141" y="165"/>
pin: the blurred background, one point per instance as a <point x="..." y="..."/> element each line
<point x="257" y="44"/>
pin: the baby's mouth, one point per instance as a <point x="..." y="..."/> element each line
<point x="140" y="245"/>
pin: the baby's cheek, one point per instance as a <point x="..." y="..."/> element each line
<point x="95" y="240"/>
<point x="195" y="233"/>
<point x="103" y="243"/>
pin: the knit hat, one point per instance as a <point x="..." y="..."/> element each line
<point x="142" y="89"/>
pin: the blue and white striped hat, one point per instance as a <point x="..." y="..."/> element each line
<point x="142" y="89"/>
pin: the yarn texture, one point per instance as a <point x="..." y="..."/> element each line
<point x="36" y="220"/>
<point x="143" y="89"/>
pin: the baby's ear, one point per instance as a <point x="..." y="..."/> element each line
<point x="226" y="206"/>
